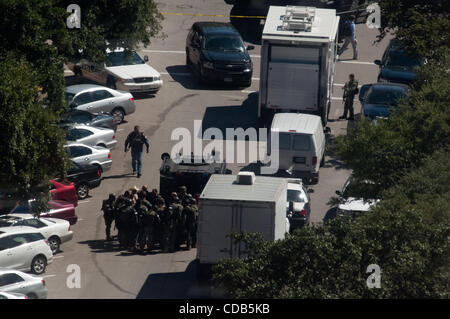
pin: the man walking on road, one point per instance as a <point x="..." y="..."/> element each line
<point x="350" y="90"/>
<point x="136" y="140"/>
<point x="348" y="31"/>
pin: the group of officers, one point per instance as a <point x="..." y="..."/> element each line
<point x="145" y="219"/>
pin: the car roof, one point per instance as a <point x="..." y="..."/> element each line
<point x="390" y="86"/>
<point x="298" y="122"/>
<point x="294" y="186"/>
<point x="216" y="28"/>
<point x="77" y="88"/>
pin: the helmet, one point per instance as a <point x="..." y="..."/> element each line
<point x="183" y="189"/>
<point x="174" y="194"/>
<point x="112" y="197"/>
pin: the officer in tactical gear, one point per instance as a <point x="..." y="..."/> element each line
<point x="108" y="214"/>
<point x="350" y="90"/>
<point x="166" y="228"/>
<point x="123" y="207"/>
<point x="191" y="213"/>
<point x="153" y="196"/>
<point x="160" y="209"/>
<point x="143" y="200"/>
<point x="178" y="223"/>
<point x="182" y="193"/>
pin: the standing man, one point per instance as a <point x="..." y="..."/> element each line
<point x="348" y="31"/>
<point x="350" y="90"/>
<point x="108" y="214"/>
<point x="136" y="140"/>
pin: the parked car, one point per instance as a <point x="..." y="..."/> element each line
<point x="95" y="98"/>
<point x="397" y="66"/>
<point x="122" y="71"/>
<point x="350" y="202"/>
<point x="59" y="209"/>
<point x="87" y="118"/>
<point x="20" y="284"/>
<point x="216" y="52"/>
<point x="298" y="204"/>
<point x="56" y="231"/>
<point x="91" y="136"/>
<point x="94" y="155"/>
<point x="12" y="295"/>
<point x="24" y="248"/>
<point x="85" y="177"/>
<point x="64" y="191"/>
<point x="378" y="100"/>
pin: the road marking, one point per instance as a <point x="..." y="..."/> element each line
<point x="48" y="276"/>
<point x="181" y="52"/>
<point x="83" y="201"/>
<point x="340" y="98"/>
<point x="80" y="219"/>
<point x="211" y="15"/>
<point x="248" y="92"/>
<point x="120" y="129"/>
<point x="57" y="257"/>
<point x="357" y="62"/>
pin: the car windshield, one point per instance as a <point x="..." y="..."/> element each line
<point x="123" y="58"/>
<point x="223" y="43"/>
<point x="385" y="97"/>
<point x="296" y="196"/>
<point x="401" y="61"/>
<point x="69" y="97"/>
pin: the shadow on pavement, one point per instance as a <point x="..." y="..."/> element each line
<point x="177" y="285"/>
<point x="241" y="116"/>
<point x="102" y="246"/>
<point x="119" y="176"/>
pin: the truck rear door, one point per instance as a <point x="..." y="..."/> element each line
<point x="215" y="222"/>
<point x="293" y="78"/>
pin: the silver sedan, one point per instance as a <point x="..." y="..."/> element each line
<point x="14" y="281"/>
<point x="94" y="155"/>
<point x="91" y="136"/>
<point x="96" y="98"/>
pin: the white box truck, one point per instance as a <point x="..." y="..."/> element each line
<point x="298" y="56"/>
<point x="235" y="203"/>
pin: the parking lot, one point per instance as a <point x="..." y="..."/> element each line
<point x="106" y="272"/>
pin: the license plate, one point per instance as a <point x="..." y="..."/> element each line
<point x="228" y="80"/>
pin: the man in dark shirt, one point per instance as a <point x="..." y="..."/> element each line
<point x="136" y="140"/>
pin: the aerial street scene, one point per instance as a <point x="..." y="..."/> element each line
<point x="224" y="154"/>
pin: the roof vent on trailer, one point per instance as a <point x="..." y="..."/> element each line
<point x="245" y="178"/>
<point x="298" y="18"/>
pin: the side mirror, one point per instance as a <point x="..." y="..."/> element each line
<point x="377" y="62"/>
<point x="250" y="47"/>
<point x="146" y="58"/>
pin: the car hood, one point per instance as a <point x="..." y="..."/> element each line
<point x="355" y="204"/>
<point x="400" y="75"/>
<point x="226" y="57"/>
<point x="374" y="110"/>
<point x="133" y="71"/>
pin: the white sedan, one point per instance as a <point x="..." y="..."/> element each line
<point x="94" y="155"/>
<point x="55" y="230"/>
<point x="91" y="136"/>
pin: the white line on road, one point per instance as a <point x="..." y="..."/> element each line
<point x="248" y="92"/>
<point x="358" y="62"/>
<point x="48" y="276"/>
<point x="80" y="219"/>
<point x="57" y="257"/>
<point x="83" y="201"/>
<point x="120" y="129"/>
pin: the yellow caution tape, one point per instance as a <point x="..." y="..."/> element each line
<point x="211" y="15"/>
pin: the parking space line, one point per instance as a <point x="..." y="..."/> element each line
<point x="57" y="257"/>
<point x="357" y="62"/>
<point x="83" y="201"/>
<point x="48" y="276"/>
<point x="120" y="129"/>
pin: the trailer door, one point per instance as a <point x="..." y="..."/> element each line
<point x="293" y="78"/>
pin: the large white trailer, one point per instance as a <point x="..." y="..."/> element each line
<point x="235" y="203"/>
<point x="298" y="56"/>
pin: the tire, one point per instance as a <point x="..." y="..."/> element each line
<point x="38" y="265"/>
<point x="32" y="296"/>
<point x="55" y="243"/>
<point x="119" y="114"/>
<point x="82" y="191"/>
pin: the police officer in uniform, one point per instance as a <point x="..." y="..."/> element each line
<point x="108" y="214"/>
<point x="191" y="213"/>
<point x="350" y="90"/>
<point x="122" y="220"/>
<point x="178" y="222"/>
<point x="160" y="209"/>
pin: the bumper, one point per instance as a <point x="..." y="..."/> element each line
<point x="94" y="183"/>
<point x="72" y="220"/>
<point x="106" y="165"/>
<point x="111" y="144"/>
<point x="242" y="78"/>
<point x="42" y="293"/>
<point x="142" y="87"/>
<point x="67" y="237"/>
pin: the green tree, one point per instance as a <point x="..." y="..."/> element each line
<point x="30" y="141"/>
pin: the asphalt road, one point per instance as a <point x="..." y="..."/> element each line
<point x="107" y="272"/>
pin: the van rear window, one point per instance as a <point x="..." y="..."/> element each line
<point x="301" y="143"/>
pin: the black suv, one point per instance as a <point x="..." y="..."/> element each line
<point x="85" y="177"/>
<point x="216" y="52"/>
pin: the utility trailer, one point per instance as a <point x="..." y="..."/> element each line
<point x="298" y="57"/>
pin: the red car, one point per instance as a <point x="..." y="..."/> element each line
<point x="64" y="191"/>
<point x="60" y="209"/>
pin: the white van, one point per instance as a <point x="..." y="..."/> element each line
<point x="301" y="143"/>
